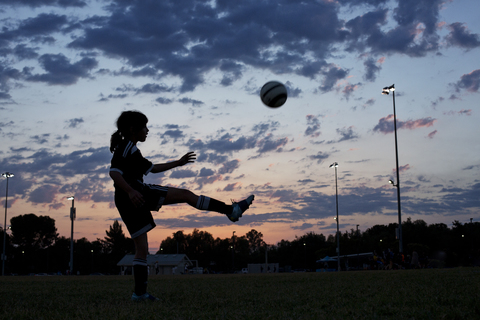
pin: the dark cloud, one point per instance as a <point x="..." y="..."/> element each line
<point x="160" y="39"/>
<point x="193" y="102"/>
<point x="224" y="144"/>
<point x="154" y="88"/>
<point x="43" y="24"/>
<point x="269" y="143"/>
<point x="5" y="96"/>
<point x="347" y="134"/>
<point x="229" y="167"/>
<point x="265" y="127"/>
<point x="22" y="52"/>
<point x="39" y="3"/>
<point x="74" y="123"/>
<point x="349" y="89"/>
<point x="60" y="71"/>
<point x="43" y="194"/>
<point x="8" y="74"/>
<point x="371" y="70"/>
<point x="291" y="91"/>
<point x="386" y="125"/>
<point x="183" y="173"/>
<point x="365" y="29"/>
<point x="411" y="12"/>
<point x="320" y="156"/>
<point x="313" y="126"/>
<point x="164" y="100"/>
<point x="469" y="82"/>
<point x="172" y="134"/>
<point x="332" y="75"/>
<point x="460" y="36"/>
<point x="40" y="139"/>
<point x="205" y="172"/>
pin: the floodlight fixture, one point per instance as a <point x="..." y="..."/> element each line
<point x="387" y="90"/>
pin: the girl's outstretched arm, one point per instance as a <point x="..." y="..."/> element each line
<point x="187" y="158"/>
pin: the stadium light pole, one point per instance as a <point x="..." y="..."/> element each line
<point x="7" y="175"/>
<point x="335" y="165"/>
<point x="72" y="218"/>
<point x="233" y="251"/>
<point x="386" y="91"/>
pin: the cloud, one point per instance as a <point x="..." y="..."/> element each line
<point x="229" y="166"/>
<point x="469" y="82"/>
<point x="173" y="133"/>
<point x="41" y="25"/>
<point x="162" y="100"/>
<point x="264" y="127"/>
<point x="183" y="173"/>
<point x="193" y="102"/>
<point x="43" y="194"/>
<point x="22" y="52"/>
<point x="232" y="187"/>
<point x="313" y="126"/>
<point x="39" y="3"/>
<point x="347" y="134"/>
<point x="460" y="36"/>
<point x="271" y="144"/>
<point x="386" y="125"/>
<point x="40" y="139"/>
<point x="349" y="89"/>
<point x="371" y="70"/>
<point x="432" y="134"/>
<point x="74" y="123"/>
<point x="320" y="156"/>
<point x="462" y="112"/>
<point x="60" y="71"/>
<point x="163" y="40"/>
<point x="154" y="88"/>
<point x="332" y="75"/>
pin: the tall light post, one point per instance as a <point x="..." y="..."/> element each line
<point x="386" y="91"/>
<point x="4" y="255"/>
<point x="335" y="165"/>
<point x="72" y="218"/>
<point x="233" y="251"/>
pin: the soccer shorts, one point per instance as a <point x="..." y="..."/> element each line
<point x="139" y="220"/>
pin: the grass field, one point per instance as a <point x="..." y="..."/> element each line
<point x="408" y="294"/>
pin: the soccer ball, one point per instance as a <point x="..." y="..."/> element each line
<point x="273" y="94"/>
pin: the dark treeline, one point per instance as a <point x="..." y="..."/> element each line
<point x="34" y="246"/>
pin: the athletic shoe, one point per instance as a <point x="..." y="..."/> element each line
<point x="143" y="297"/>
<point x="239" y="208"/>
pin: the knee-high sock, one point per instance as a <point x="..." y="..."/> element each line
<point x="140" y="274"/>
<point x="210" y="204"/>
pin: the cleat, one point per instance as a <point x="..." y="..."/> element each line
<point x="143" y="297"/>
<point x="239" y="208"/>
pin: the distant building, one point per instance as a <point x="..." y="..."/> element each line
<point x="158" y="264"/>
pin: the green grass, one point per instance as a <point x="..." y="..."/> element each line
<point x="408" y="294"/>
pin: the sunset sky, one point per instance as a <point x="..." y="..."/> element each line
<point x="68" y="68"/>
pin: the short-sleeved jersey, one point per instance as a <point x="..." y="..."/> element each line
<point x="128" y="160"/>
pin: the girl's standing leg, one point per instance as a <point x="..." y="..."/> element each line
<point x="140" y="267"/>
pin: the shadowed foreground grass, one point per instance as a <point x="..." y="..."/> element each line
<point x="408" y="294"/>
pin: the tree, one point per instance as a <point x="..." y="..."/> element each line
<point x="33" y="232"/>
<point x="114" y="247"/>
<point x="255" y="240"/>
<point x="116" y="242"/>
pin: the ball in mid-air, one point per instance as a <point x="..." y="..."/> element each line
<point x="273" y="94"/>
